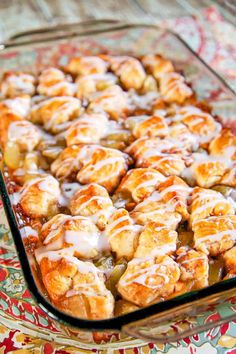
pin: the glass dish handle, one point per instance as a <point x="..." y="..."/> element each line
<point x="60" y="31"/>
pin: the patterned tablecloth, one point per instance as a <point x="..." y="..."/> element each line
<point x="24" y="328"/>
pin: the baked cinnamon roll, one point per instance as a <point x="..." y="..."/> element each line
<point x="24" y="134"/>
<point x="155" y="209"/>
<point x="230" y="261"/>
<point x="77" y="233"/>
<point x="74" y="286"/>
<point x="173" y="88"/>
<point x="157" y="65"/>
<point x="209" y="172"/>
<point x="166" y="156"/>
<point x="148" y="280"/>
<point x="12" y="110"/>
<point x="147" y="126"/>
<point x="14" y="84"/>
<point x="156" y="240"/>
<point x="89" y="128"/>
<point x="215" y="234"/>
<point x="83" y="65"/>
<point x="194" y="267"/>
<point x="122" y="234"/>
<point x="54" y="113"/>
<point x="39" y="197"/>
<point x="179" y="132"/>
<point x="106" y="167"/>
<point x="89" y="84"/>
<point x="53" y="82"/>
<point x="224" y="145"/>
<point x="199" y="123"/>
<point x="207" y="202"/>
<point x="137" y="185"/>
<point x="92" y="201"/>
<point x="175" y="192"/>
<point x="112" y="100"/>
<point x="129" y="70"/>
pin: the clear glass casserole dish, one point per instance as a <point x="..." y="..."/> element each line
<point x="180" y="316"/>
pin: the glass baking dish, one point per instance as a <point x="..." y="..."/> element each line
<point x="183" y="315"/>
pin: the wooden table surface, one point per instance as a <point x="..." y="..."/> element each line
<point x="21" y="15"/>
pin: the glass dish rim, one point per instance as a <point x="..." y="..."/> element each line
<point x="115" y="323"/>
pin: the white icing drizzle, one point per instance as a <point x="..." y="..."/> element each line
<point x="87" y="242"/>
<point x="52" y="89"/>
<point x="174" y="85"/>
<point x="19" y="105"/>
<point x="142" y="101"/>
<point x="140" y="275"/>
<point x="112" y="230"/>
<point x="46" y="184"/>
<point x="150" y="183"/>
<point x="216" y="237"/>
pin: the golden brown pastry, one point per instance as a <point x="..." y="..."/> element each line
<point x="12" y="110"/>
<point x="224" y="145"/>
<point x="15" y="84"/>
<point x="86" y="65"/>
<point x="149" y="85"/>
<point x="147" y="126"/>
<point x="70" y="161"/>
<point x="156" y="240"/>
<point x="174" y="191"/>
<point x="178" y="131"/>
<point x="200" y="123"/>
<point x="89" y="128"/>
<point x="89" y="84"/>
<point x="145" y="147"/>
<point x="157" y="65"/>
<point x="6" y="119"/>
<point x="215" y="234"/>
<point x="230" y="260"/>
<point x="167" y="164"/>
<point x="112" y="100"/>
<point x="39" y="197"/>
<point x="194" y="267"/>
<point x="163" y="155"/>
<point x="122" y="234"/>
<point x="74" y="286"/>
<point x="129" y="70"/>
<point x="229" y="178"/>
<point x="207" y="202"/>
<point x="92" y="201"/>
<point x="122" y="307"/>
<point x="95" y="163"/>
<point x="173" y="88"/>
<point x="55" y="112"/>
<point x="209" y="172"/>
<point x="148" y="280"/>
<point x="155" y="209"/>
<point x="104" y="166"/>
<point x="23" y="133"/>
<point x="137" y="185"/>
<point x="53" y="82"/>
<point x="78" y="233"/>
